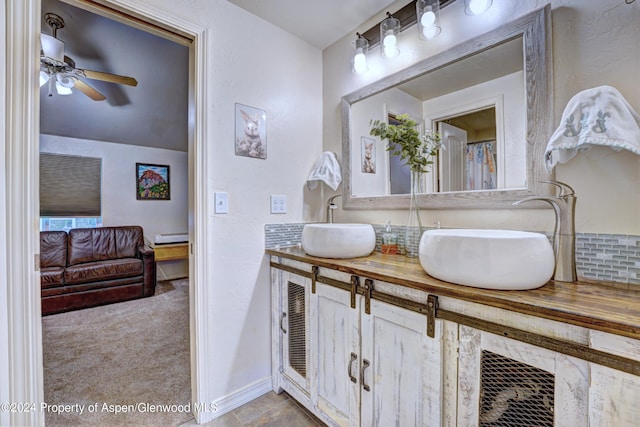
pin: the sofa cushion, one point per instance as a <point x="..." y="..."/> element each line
<point x="103" y="270"/>
<point x="51" y="277"/>
<point x="128" y="240"/>
<point x="105" y="243"/>
<point x="53" y="249"/>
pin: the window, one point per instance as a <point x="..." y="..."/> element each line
<point x="66" y="224"/>
<point x="70" y="192"/>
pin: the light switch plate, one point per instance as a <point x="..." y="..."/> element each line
<point x="278" y="204"/>
<point x="221" y="200"/>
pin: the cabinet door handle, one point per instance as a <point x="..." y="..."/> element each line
<point x="365" y="365"/>
<point x="354" y="357"/>
<point x="282" y="323"/>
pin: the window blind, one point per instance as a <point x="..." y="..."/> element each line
<point x="70" y="185"/>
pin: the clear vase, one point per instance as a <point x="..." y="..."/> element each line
<point x="414" y="230"/>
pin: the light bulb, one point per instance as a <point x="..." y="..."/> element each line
<point x="63" y="90"/>
<point x="389" y="41"/>
<point x="428" y="19"/>
<point x="360" y="63"/>
<point x="476" y="7"/>
<point x="389" y="46"/>
<point x="44" y="77"/>
<point x="430" y="32"/>
<point x="66" y="81"/>
<point x="360" y="58"/>
<point x="388" y="30"/>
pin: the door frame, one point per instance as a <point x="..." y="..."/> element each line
<point x="23" y="364"/>
<point x="495" y="101"/>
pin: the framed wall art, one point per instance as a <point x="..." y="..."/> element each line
<point x="368" y="151"/>
<point x="152" y="182"/>
<point x="251" y="132"/>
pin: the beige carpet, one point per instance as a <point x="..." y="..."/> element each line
<point x="117" y="364"/>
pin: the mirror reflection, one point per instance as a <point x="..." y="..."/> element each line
<point x="478" y="106"/>
<point x="470" y="156"/>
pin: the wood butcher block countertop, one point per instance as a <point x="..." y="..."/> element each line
<point x="603" y="306"/>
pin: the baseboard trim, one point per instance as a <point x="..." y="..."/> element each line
<point x="236" y="399"/>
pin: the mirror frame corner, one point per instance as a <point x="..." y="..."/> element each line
<point x="535" y="29"/>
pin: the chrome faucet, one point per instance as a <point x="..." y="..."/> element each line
<point x="330" y="208"/>
<point x="564" y="235"/>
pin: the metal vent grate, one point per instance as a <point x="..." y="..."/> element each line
<point x="514" y="394"/>
<point x="297" y="329"/>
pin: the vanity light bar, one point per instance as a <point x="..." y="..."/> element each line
<point x="407" y="17"/>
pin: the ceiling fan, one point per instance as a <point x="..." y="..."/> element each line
<point x="60" y="71"/>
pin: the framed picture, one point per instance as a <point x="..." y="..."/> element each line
<point x="251" y="132"/>
<point x="368" y="150"/>
<point x="152" y="182"/>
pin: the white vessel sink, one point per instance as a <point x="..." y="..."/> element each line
<point x="489" y="259"/>
<point x="338" y="240"/>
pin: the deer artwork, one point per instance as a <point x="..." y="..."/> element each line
<point x="250" y="144"/>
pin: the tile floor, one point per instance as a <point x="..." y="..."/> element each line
<point x="271" y="409"/>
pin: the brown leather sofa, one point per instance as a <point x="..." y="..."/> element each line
<point x="94" y="266"/>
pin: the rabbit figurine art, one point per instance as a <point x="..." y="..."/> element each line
<point x="250" y="144"/>
<point x="368" y="162"/>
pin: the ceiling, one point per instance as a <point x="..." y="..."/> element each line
<point x="154" y="113"/>
<point x="498" y="61"/>
<point x="320" y="22"/>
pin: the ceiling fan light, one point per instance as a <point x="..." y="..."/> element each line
<point x="66" y="80"/>
<point x="62" y="90"/>
<point x="44" y="78"/>
<point x="52" y="47"/>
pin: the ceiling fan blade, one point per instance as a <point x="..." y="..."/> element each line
<point x="111" y="78"/>
<point x="89" y="91"/>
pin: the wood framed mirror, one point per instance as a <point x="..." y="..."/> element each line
<point x="505" y="73"/>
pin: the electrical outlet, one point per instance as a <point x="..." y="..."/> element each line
<point x="278" y="204"/>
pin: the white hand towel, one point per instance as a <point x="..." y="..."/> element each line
<point x="597" y="116"/>
<point x="327" y="170"/>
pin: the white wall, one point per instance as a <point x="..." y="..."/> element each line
<point x="248" y="61"/>
<point x="377" y="107"/>
<point x="119" y="203"/>
<point x="253" y="63"/>
<point x="594" y="43"/>
<point x="507" y="94"/>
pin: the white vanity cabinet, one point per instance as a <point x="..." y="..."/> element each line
<point x="614" y="396"/>
<point x="506" y="382"/>
<point x="336" y="356"/>
<point x="291" y="350"/>
<point x="401" y="368"/>
<point x="376" y="364"/>
<point x="371" y="363"/>
<point x="383" y="344"/>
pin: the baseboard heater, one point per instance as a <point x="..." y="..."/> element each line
<point x="164" y="239"/>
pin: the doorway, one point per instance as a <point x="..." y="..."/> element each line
<point x="74" y="341"/>
<point x="22" y="23"/>
<point x="469" y="158"/>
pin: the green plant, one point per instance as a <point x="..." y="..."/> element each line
<point x="405" y="140"/>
